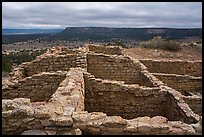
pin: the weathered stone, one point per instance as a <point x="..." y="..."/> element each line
<point x="114" y="121"/>
<point x="61" y="120"/>
<point x="97" y="115"/>
<point x="34" y="132"/>
<point x="16" y="103"/>
<point x="26" y="120"/>
<point x="158" y="119"/>
<point x="14" y="123"/>
<point x="131" y="129"/>
<point x="7" y="114"/>
<point x="183" y="128"/>
<point x="62" y="83"/>
<point x="158" y="124"/>
<point x="198" y="127"/>
<point x="68" y="111"/>
<point x="23" y="111"/>
<point x="143" y="125"/>
<point x="46" y="122"/>
<point x="42" y="113"/>
<point x="80" y="116"/>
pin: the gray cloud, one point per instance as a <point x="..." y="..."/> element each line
<point x="102" y="14"/>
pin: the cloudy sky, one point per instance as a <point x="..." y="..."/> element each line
<point x="101" y="14"/>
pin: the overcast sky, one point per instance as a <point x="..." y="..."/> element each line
<point x="101" y="14"/>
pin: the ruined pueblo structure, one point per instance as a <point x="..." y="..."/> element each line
<point x="100" y="90"/>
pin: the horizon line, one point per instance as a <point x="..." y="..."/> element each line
<point x="112" y="27"/>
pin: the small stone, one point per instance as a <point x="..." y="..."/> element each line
<point x="114" y="121"/>
<point x="80" y="116"/>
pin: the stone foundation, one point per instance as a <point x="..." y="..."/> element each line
<point x="101" y="93"/>
<point x="110" y="50"/>
<point x="185" y="84"/>
<point x="117" y="68"/>
<point x="38" y="87"/>
<point x="191" y="68"/>
<point x="130" y="101"/>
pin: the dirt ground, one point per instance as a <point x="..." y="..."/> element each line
<point x="190" y="54"/>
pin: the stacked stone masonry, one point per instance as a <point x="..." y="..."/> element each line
<point x="110" y="50"/>
<point x="182" y="83"/>
<point x="192" y="68"/>
<point x="34" y="87"/>
<point x="131" y="100"/>
<point x="98" y="90"/>
<point x="184" y="76"/>
<point x="115" y="67"/>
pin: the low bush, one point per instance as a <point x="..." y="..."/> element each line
<point x="17" y="58"/>
<point x="159" y="43"/>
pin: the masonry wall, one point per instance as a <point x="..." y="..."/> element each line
<point x="47" y="118"/>
<point x="110" y="50"/>
<point x="116" y="68"/>
<point x="62" y="50"/>
<point x="192" y="68"/>
<point x="63" y="114"/>
<point x="129" y="101"/>
<point x="20" y="115"/>
<point x="181" y="83"/>
<point x="58" y="58"/>
<point x="53" y="63"/>
<point x="38" y="87"/>
<point x="174" y="112"/>
<point x="195" y="103"/>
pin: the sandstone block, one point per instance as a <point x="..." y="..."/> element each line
<point x="114" y="121"/>
<point x="97" y="115"/>
<point x="61" y="120"/>
<point x="23" y="111"/>
<point x="80" y="116"/>
<point x="143" y="125"/>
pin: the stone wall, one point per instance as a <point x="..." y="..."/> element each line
<point x="62" y="51"/>
<point x="110" y="50"/>
<point x="175" y="100"/>
<point x="53" y="117"/>
<point x="38" y="87"/>
<point x="143" y="103"/>
<point x="118" y="68"/>
<point x="192" y="68"/>
<point x="195" y="103"/>
<point x="129" y="101"/>
<point x="55" y="59"/>
<point x="182" y="83"/>
<point x="21" y="117"/>
<point x="51" y="63"/>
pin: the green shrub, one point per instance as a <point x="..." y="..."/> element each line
<point x="17" y="58"/>
<point x="6" y="64"/>
<point x="159" y="43"/>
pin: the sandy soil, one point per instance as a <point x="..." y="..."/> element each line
<point x="145" y="53"/>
